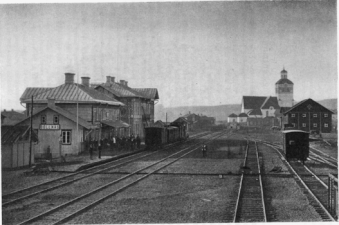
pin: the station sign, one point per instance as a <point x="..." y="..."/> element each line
<point x="49" y="127"/>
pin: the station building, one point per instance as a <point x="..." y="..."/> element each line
<point x="138" y="109"/>
<point x="57" y="111"/>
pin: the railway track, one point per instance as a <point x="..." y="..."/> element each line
<point x="250" y="205"/>
<point x="23" y="194"/>
<point x="312" y="186"/>
<point x="70" y="209"/>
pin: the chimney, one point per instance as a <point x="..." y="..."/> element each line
<point x="85" y="81"/>
<point x="122" y="82"/>
<point x="108" y="79"/>
<point x="69" y="78"/>
<point x="112" y="79"/>
<point x="50" y="102"/>
<point x="126" y="83"/>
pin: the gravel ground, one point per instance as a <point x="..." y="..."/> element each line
<point x="332" y="151"/>
<point x="167" y="199"/>
<point x="172" y="198"/>
<point x="287" y="200"/>
<point x="271" y="160"/>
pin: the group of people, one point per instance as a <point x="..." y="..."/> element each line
<point x="115" y="143"/>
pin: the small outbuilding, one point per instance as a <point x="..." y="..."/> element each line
<point x="15" y="146"/>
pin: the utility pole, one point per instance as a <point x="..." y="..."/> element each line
<point x="31" y="133"/>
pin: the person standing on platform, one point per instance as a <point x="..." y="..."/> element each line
<point x="91" y="149"/>
<point x="138" y="141"/>
<point x="100" y="142"/>
<point x="113" y="143"/>
<point x="204" y="150"/>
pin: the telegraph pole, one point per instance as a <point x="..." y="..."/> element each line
<point x="30" y="136"/>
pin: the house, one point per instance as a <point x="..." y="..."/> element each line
<point x="308" y="115"/>
<point x="138" y="109"/>
<point x="192" y="120"/>
<point x="160" y="123"/>
<point x="232" y="118"/>
<point x="242" y="118"/>
<point x="59" y="131"/>
<point x="11" y="117"/>
<point x="15" y="146"/>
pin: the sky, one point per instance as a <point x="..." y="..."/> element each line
<point x="194" y="53"/>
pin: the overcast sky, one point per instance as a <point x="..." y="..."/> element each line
<point x="194" y="53"/>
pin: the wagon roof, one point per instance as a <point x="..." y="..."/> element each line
<point x="294" y="131"/>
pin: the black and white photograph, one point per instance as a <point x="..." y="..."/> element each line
<point x="163" y="112"/>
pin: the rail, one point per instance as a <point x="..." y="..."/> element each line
<point x="101" y="188"/>
<point x="328" y="214"/>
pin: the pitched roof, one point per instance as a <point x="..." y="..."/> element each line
<point x="255" y="112"/>
<point x="120" y="90"/>
<point x="243" y="115"/>
<point x="12" y="117"/>
<point x="301" y="106"/>
<point x="270" y="101"/>
<point x="232" y="115"/>
<point x="33" y="91"/>
<point x="253" y="102"/>
<point x="283" y="81"/>
<point x="70" y="93"/>
<point x="66" y="114"/>
<point x="11" y="134"/>
<point x="150" y="93"/>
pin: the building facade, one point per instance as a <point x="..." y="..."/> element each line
<point x="138" y="109"/>
<point x="308" y="115"/>
<point x="99" y="114"/>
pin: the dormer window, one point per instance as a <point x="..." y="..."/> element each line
<point x="56" y="119"/>
<point x="43" y="119"/>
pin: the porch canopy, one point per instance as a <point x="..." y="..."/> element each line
<point x="115" y="124"/>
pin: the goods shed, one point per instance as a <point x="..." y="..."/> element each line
<point x="15" y="146"/>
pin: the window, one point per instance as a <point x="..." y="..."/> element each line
<point x="43" y="119"/>
<point x="304" y="124"/>
<point x="315" y="115"/>
<point x="304" y="114"/>
<point x="66" y="137"/>
<point x="315" y="125"/>
<point x="325" y="124"/>
<point x="293" y="124"/>
<point x="292" y="115"/>
<point x="325" y="115"/>
<point x="56" y="119"/>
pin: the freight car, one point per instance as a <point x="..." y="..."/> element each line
<point x="159" y="136"/>
<point x="296" y="144"/>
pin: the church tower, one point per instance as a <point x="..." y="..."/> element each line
<point x="284" y="90"/>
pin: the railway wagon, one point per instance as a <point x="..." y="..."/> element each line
<point x="296" y="144"/>
<point x="181" y="129"/>
<point x="172" y="134"/>
<point x="155" y="136"/>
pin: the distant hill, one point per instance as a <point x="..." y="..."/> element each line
<point x="220" y="112"/>
<point x="329" y="103"/>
